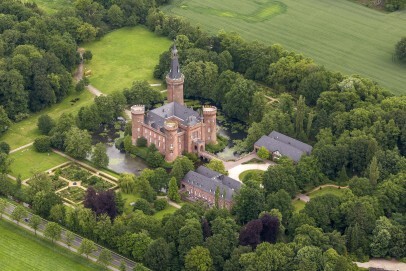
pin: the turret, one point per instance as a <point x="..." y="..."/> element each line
<point x="175" y="79"/>
<point x="137" y="118"/>
<point x="171" y="144"/>
<point x="209" y="117"/>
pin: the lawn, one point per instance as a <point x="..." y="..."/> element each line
<point x="244" y="173"/>
<point x="27" y="161"/>
<point x="26" y="131"/>
<point x="134" y="197"/>
<point x="298" y="205"/>
<point x="124" y="56"/>
<point x="51" y="6"/>
<point x="21" y="250"/>
<point x="339" y="34"/>
<point x="327" y="190"/>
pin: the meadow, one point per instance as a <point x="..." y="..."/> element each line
<point x="124" y="56"/>
<point x="51" y="6"/>
<point x="26" y="131"/>
<point x="339" y="34"/>
<point x="28" y="161"/>
<point x="21" y="250"/>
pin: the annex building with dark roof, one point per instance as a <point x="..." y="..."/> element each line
<point x="282" y="145"/>
<point x="174" y="128"/>
<point x="202" y="184"/>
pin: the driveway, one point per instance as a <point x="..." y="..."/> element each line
<point x="237" y="170"/>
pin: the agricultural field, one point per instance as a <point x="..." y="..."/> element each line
<point x="124" y="56"/>
<point x="339" y="34"/>
<point x="24" y="251"/>
<point x="28" y="161"/>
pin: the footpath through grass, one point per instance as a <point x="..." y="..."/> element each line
<point x="28" y="161"/>
<point x="124" y="56"/>
<point x="327" y="190"/>
<point x="21" y="251"/>
<point x="26" y="131"/>
<point x="339" y="34"/>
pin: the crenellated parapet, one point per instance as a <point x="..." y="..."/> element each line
<point x="138" y="109"/>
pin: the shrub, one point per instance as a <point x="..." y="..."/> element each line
<point x="4" y="147"/>
<point x="215" y="148"/>
<point x="263" y="153"/>
<point x="141" y="142"/>
<point x="155" y="159"/>
<point x="400" y="50"/>
<point x="80" y="86"/>
<point x="160" y="204"/>
<point x="42" y="144"/>
<point x="144" y="206"/>
<point x="45" y="124"/>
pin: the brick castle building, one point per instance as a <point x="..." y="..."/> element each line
<point x="173" y="127"/>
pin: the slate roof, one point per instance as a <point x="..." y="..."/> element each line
<point x="187" y="116"/>
<point x="208" y="180"/>
<point x="285" y="145"/>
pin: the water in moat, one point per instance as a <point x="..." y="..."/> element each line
<point x="121" y="162"/>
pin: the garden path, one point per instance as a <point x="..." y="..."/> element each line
<point x="237" y="170"/>
<point x="390" y="265"/>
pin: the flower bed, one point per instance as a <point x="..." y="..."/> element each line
<point x="74" y="194"/>
<point x="57" y="183"/>
<point x="97" y="183"/>
<point x="74" y="173"/>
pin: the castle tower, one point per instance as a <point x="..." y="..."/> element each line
<point x="175" y="79"/>
<point x="209" y="116"/>
<point x="137" y="118"/>
<point x="171" y="141"/>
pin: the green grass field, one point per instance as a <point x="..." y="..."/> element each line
<point x="26" y="131"/>
<point x="244" y="173"/>
<point x="27" y="161"/>
<point x="51" y="6"/>
<point x="132" y="198"/>
<point x="339" y="34"/>
<point x="21" y="251"/>
<point x="327" y="190"/>
<point x="298" y="205"/>
<point x="124" y="56"/>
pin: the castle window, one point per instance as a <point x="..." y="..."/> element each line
<point x="138" y="129"/>
<point x="209" y="137"/>
<point x="149" y="132"/>
<point x="159" y="144"/>
<point x="208" y="130"/>
<point x="150" y="139"/>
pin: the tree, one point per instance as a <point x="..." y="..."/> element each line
<point x="361" y="186"/>
<point x="99" y="156"/>
<point x="127" y="183"/>
<point x="5" y="122"/>
<point x="53" y="231"/>
<point x="34" y="223"/>
<point x="105" y="257"/>
<point x="282" y="201"/>
<point x="198" y="259"/>
<point x="101" y="202"/>
<point x="173" y="192"/>
<point x="249" y="202"/>
<point x="3" y="205"/>
<point x="69" y="237"/>
<point x="263" y="153"/>
<point x="241" y="93"/>
<point x="43" y="202"/>
<point x="115" y="16"/>
<point x="400" y="49"/>
<point x="45" y="124"/>
<point x="18" y="213"/>
<point x="42" y="144"/>
<point x="78" y="143"/>
<point x="154" y="159"/>
<point x="160" y="180"/>
<point x="4" y="147"/>
<point x="58" y="213"/>
<point x="142" y="93"/>
<point x="86" y="247"/>
<point x="190" y="235"/>
<point x="181" y="166"/>
<point x="157" y="255"/>
<point x="373" y="173"/>
<point x="217" y="165"/>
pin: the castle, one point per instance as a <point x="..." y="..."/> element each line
<point x="173" y="127"/>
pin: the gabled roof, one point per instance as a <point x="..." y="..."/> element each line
<point x="187" y="116"/>
<point x="208" y="181"/>
<point x="285" y="145"/>
<point x="291" y="141"/>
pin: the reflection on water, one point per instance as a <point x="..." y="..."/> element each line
<point x="121" y="162"/>
<point x="225" y="131"/>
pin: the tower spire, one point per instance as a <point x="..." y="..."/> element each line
<point x="174" y="72"/>
<point x="175" y="79"/>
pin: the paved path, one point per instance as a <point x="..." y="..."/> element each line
<point x="236" y="171"/>
<point x="22" y="147"/>
<point x="392" y="265"/>
<point x="117" y="259"/>
<point x="230" y="164"/>
<point x="174" y="204"/>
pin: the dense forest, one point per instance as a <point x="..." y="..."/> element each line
<point x="358" y="131"/>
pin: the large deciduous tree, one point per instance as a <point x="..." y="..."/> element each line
<point x="78" y="143"/>
<point x="99" y="155"/>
